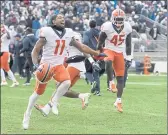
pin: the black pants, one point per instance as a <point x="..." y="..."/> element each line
<point x="29" y="68"/>
<point x="21" y="66"/>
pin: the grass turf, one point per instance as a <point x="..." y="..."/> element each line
<point x="144" y="104"/>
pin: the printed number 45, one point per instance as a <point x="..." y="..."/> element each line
<point x="117" y="40"/>
<point x="59" y="44"/>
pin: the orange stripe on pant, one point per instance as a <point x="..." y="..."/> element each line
<point x="118" y="61"/>
<point x="74" y="74"/>
<point x="4" y="61"/>
<point x="60" y="75"/>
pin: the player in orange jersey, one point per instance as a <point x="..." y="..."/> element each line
<point x="54" y="40"/>
<point x="5" y="57"/>
<point x="116" y="34"/>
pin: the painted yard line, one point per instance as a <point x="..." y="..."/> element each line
<point x="146" y="83"/>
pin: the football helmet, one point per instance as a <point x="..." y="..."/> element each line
<point x="118" y="17"/>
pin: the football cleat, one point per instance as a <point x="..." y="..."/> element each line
<point x="26" y="84"/>
<point x="55" y="109"/>
<point x="4" y="83"/>
<point x="25" y="122"/>
<point x="44" y="111"/>
<point x="113" y="87"/>
<point x="14" y="84"/>
<point x="85" y="100"/>
<point x="118" y="106"/>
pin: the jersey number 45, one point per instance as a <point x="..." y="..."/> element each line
<point x="117" y="40"/>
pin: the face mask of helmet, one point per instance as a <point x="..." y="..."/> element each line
<point x="118" y="21"/>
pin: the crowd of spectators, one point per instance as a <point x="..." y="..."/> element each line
<point x="36" y="14"/>
<point x="18" y="15"/>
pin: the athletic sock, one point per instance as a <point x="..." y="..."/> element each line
<point x="32" y="99"/>
<point x="118" y="100"/>
<point x="3" y="79"/>
<point x="81" y="96"/>
<point x="61" y="90"/>
<point x="11" y="76"/>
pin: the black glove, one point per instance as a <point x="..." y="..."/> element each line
<point x="128" y="63"/>
<point x="96" y="66"/>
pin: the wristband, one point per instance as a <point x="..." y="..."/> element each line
<point x="91" y="60"/>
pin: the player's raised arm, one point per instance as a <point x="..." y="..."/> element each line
<point x="36" y="50"/>
<point x="83" y="48"/>
<point x="101" y="40"/>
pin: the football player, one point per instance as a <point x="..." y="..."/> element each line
<point x="54" y="40"/>
<point x="116" y="34"/>
<point x="5" y="57"/>
<point x="74" y="68"/>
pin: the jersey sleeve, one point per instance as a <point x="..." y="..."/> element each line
<point x="104" y="27"/>
<point x="42" y="33"/>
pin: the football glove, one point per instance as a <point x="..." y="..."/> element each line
<point x="96" y="66"/>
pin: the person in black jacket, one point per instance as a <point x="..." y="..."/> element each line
<point x="90" y="38"/>
<point x="19" y="58"/>
<point x="28" y="44"/>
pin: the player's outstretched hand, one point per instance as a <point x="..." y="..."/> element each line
<point x="96" y="66"/>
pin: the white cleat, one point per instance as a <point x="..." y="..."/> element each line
<point x="14" y="84"/>
<point x="25" y="123"/>
<point x="55" y="109"/>
<point x="4" y="83"/>
<point x="85" y="100"/>
<point x="45" y="110"/>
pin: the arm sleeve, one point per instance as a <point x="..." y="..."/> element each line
<point x="101" y="40"/>
<point x="128" y="44"/>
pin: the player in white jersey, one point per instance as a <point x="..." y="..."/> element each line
<point x="54" y="40"/>
<point x="74" y="68"/>
<point x="5" y="57"/>
<point x="116" y="35"/>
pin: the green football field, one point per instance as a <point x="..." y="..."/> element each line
<point x="144" y="105"/>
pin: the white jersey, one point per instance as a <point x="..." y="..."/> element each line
<point x="73" y="51"/>
<point x="54" y="51"/>
<point x="5" y="43"/>
<point x="115" y="41"/>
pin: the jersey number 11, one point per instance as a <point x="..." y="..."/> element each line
<point x="59" y="44"/>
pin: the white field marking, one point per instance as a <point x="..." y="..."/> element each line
<point x="128" y="112"/>
<point x="145" y="83"/>
<point x="143" y="75"/>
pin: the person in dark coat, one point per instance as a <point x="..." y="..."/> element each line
<point x="28" y="45"/>
<point x="90" y="38"/>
